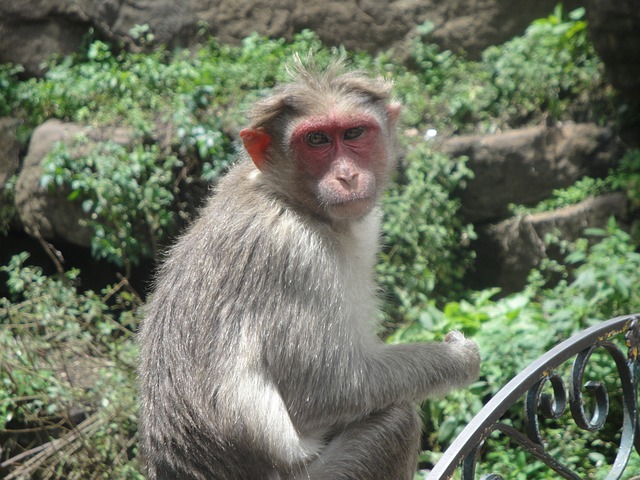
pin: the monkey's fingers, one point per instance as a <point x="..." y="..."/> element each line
<point x="454" y="336"/>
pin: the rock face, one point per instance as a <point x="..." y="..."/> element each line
<point x="507" y="251"/>
<point x="32" y="30"/>
<point x="524" y="166"/>
<point x="614" y="28"/>
<point x="45" y="213"/>
<point x="615" y="31"/>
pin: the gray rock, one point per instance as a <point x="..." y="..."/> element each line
<point x="614" y="28"/>
<point x="524" y="166"/>
<point x="508" y="250"/>
<point x="47" y="213"/>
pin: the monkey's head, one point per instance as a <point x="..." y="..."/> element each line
<point x="326" y="141"/>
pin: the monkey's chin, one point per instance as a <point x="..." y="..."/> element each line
<point x="350" y="209"/>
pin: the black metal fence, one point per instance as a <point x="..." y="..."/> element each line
<point x="543" y="393"/>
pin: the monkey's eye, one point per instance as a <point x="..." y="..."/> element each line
<point x="317" y="139"/>
<point x="353" y="133"/>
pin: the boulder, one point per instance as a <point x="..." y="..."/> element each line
<point x="524" y="166"/>
<point x="508" y="250"/>
<point x="32" y="31"/>
<point x="47" y="213"/>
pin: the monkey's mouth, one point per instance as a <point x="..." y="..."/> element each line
<point x="351" y="207"/>
<point x="344" y="200"/>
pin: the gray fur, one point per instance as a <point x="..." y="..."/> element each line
<point x="259" y="358"/>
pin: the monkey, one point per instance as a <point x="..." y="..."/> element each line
<point x="259" y="349"/>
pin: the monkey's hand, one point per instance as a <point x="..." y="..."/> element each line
<point x="468" y="352"/>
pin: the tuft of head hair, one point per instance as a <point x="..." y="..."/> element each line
<point x="336" y="78"/>
<point x="312" y="85"/>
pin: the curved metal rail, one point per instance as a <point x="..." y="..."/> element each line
<point x="464" y="451"/>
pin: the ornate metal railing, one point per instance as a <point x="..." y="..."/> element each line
<point x="528" y="386"/>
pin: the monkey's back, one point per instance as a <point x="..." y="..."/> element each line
<point x="245" y="313"/>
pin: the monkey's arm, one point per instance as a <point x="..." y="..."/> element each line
<point x="374" y="377"/>
<point x="417" y="371"/>
<point x="259" y="406"/>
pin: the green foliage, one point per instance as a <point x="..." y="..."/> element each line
<point x="627" y="177"/>
<point x="419" y="210"/>
<point x="515" y="330"/>
<point x="137" y="89"/>
<point x="62" y="351"/>
<point x="453" y="91"/>
<point x="7" y="204"/>
<point x="180" y="105"/>
<point x="127" y="194"/>
<point x="550" y="71"/>
<point x="547" y="69"/>
<point x="191" y="103"/>
<point x="581" y="190"/>
<point x="603" y="284"/>
<point x="8" y="87"/>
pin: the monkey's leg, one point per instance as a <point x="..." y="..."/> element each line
<point x="383" y="446"/>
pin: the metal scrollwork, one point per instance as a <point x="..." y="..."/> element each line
<point x="588" y="403"/>
<point x="551" y="407"/>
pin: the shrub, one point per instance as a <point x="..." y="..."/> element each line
<point x="191" y="104"/>
<point x="7" y="204"/>
<point x="181" y="107"/>
<point x="67" y="359"/>
<point x="550" y="71"/>
<point x="625" y="177"/>
<point x="515" y="330"/>
<point x="419" y="210"/>
<point x="128" y="195"/>
<point x="8" y="87"/>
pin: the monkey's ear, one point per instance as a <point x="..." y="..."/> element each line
<point x="256" y="141"/>
<point x="393" y="111"/>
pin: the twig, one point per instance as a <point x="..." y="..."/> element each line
<point x="44" y="452"/>
<point x="54" y="254"/>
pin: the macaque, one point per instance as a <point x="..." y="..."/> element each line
<point x="259" y="353"/>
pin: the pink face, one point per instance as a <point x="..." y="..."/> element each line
<point x="340" y="158"/>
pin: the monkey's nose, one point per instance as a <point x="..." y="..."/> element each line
<point x="349" y="180"/>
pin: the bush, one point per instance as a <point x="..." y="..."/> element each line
<point x="517" y="329"/>
<point x="181" y="107"/>
<point x="67" y="360"/>
<point x="625" y="177"/>
<point x="128" y="195"/>
<point x="8" y="87"/>
<point x="419" y="210"/>
<point x="190" y="105"/>
<point x="551" y="71"/>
